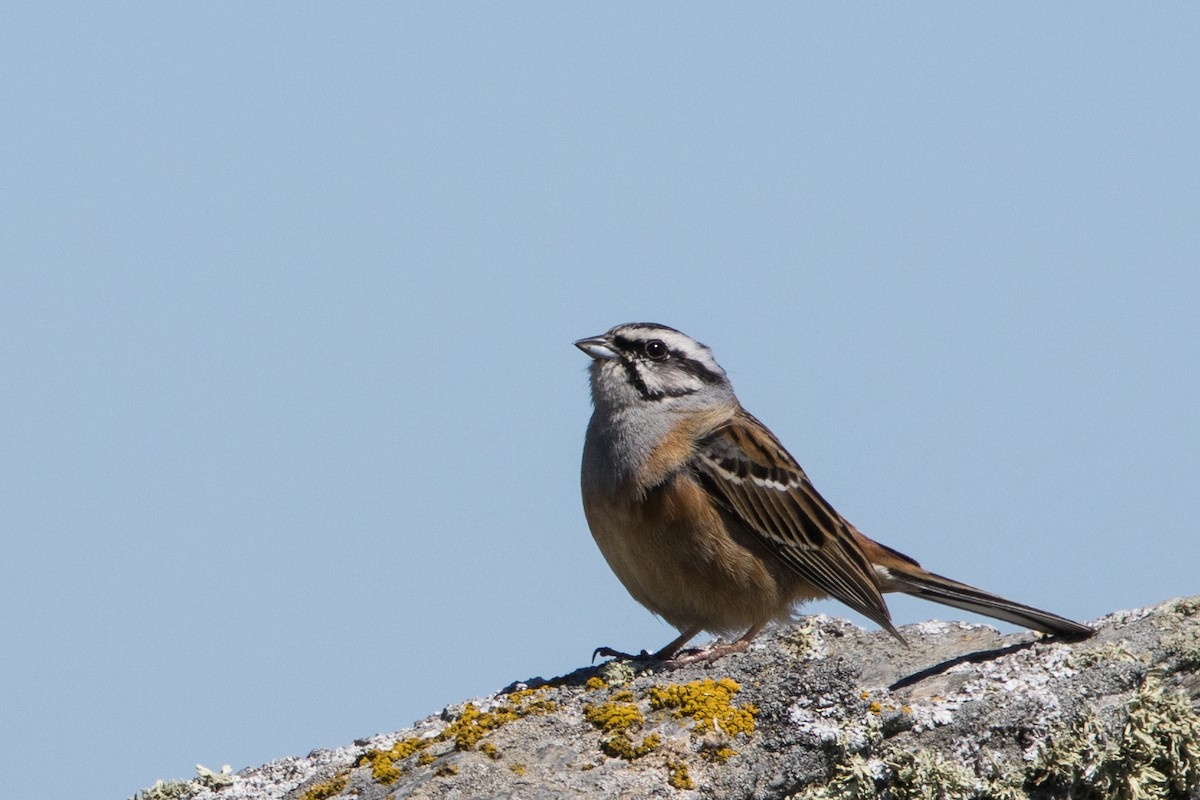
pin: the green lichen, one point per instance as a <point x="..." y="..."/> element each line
<point x="927" y="775"/>
<point x="1111" y="652"/>
<point x="801" y="640"/>
<point x="1187" y="607"/>
<point x="1180" y="625"/>
<point x="211" y="779"/>
<point x="616" y="673"/>
<point x="1155" y="754"/>
<point x="168" y="790"/>
<point x="899" y="775"/>
<point x="1184" y="644"/>
<point x="853" y="779"/>
<point x="178" y="790"/>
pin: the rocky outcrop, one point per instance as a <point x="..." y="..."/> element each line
<point x="820" y="709"/>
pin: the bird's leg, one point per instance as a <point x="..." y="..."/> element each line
<point x="713" y="652"/>
<point x="672" y="648"/>
<point x="665" y="654"/>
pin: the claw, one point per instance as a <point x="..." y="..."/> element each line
<point x="710" y="653"/>
<point x="608" y="652"/>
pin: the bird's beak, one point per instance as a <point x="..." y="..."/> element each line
<point x="598" y="347"/>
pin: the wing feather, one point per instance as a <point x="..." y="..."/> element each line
<point x="754" y="478"/>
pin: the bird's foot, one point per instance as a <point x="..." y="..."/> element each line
<point x="708" y="654"/>
<point x="608" y="652"/>
<point x="673" y="659"/>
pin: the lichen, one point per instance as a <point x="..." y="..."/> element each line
<point x="1115" y="651"/>
<point x="1155" y="754"/>
<point x="211" y="779"/>
<point x="613" y="716"/>
<point x="383" y="762"/>
<point x="473" y="723"/>
<point x="619" y="720"/>
<point x="899" y="775"/>
<point x="926" y="775"/>
<point x="326" y="789"/>
<point x="466" y="732"/>
<point x="678" y="775"/>
<point x="168" y="790"/>
<point x="1187" y="607"/>
<point x="622" y="746"/>
<point x="616" y="673"/>
<point x="717" y="753"/>
<point x="593" y="683"/>
<point x="178" y="790"/>
<point x="708" y="702"/>
<point x="853" y="779"/>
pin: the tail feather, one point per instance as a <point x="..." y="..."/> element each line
<point x="913" y="580"/>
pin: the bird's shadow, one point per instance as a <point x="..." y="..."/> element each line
<point x="970" y="658"/>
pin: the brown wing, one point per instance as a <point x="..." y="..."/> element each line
<point x="754" y="478"/>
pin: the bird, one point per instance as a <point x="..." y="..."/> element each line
<point x="711" y="524"/>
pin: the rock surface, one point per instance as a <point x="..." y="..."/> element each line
<point x="820" y="709"/>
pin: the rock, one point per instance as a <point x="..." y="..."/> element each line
<point x="820" y="709"/>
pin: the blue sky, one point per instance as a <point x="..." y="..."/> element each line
<point x="291" y="419"/>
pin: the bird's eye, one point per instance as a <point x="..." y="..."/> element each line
<point x="656" y="350"/>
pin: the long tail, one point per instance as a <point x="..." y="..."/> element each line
<point x="899" y="573"/>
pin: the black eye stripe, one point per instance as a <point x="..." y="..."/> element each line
<point x="696" y="368"/>
<point x="634" y="349"/>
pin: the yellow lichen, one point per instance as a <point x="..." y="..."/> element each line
<point x="326" y="789"/>
<point x="489" y="750"/>
<point x="610" y="717"/>
<point x="708" y="702"/>
<point x="382" y="764"/>
<point x="594" y="683"/>
<point x="677" y="775"/>
<point x="473" y="724"/>
<point x="446" y="770"/>
<point x="618" y="719"/>
<point x="622" y="746"/>
<point x="718" y="754"/>
<point x="517" y="769"/>
<point x="466" y="732"/>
